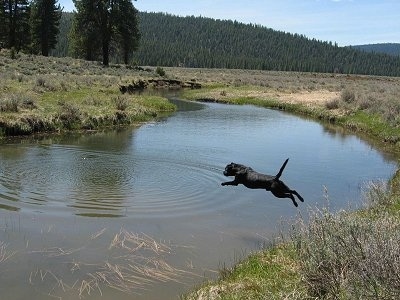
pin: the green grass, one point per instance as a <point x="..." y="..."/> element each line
<point x="269" y="274"/>
<point x="374" y="125"/>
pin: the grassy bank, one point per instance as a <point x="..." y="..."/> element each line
<point x="377" y="117"/>
<point x="40" y="94"/>
<point x="331" y="256"/>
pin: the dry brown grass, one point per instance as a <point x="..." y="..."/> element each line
<point x="351" y="256"/>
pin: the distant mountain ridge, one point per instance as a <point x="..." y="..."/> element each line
<point x="386" y="48"/>
<point x="198" y="42"/>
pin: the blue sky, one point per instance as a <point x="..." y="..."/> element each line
<point x="347" y="22"/>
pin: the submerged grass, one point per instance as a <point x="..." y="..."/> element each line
<point x="132" y="262"/>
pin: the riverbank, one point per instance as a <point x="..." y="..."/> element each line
<point x="51" y="95"/>
<point x="365" y="105"/>
<point x="332" y="255"/>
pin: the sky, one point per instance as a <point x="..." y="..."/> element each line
<point x="346" y="22"/>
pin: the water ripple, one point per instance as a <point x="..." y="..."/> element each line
<point x="101" y="183"/>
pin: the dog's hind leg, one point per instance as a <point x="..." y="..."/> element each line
<point x="297" y="194"/>
<point x="279" y="194"/>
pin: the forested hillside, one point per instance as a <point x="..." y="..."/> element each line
<point x="168" y="40"/>
<point x="388" y="48"/>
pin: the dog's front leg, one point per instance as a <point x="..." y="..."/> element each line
<point x="236" y="181"/>
<point x="233" y="182"/>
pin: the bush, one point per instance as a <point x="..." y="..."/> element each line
<point x="14" y="102"/>
<point x="332" y="104"/>
<point x="121" y="102"/>
<point x="40" y="81"/>
<point x="70" y="115"/>
<point x="160" y="71"/>
<point x="9" y="105"/>
<point x="348" y="256"/>
<point x="348" y="96"/>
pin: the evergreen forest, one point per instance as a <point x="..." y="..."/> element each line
<point x="388" y="48"/>
<point x="199" y="42"/>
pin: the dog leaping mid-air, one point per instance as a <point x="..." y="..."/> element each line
<point x="254" y="180"/>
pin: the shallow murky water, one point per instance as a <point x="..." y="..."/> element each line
<point x="140" y="213"/>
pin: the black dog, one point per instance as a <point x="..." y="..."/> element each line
<point x="254" y="180"/>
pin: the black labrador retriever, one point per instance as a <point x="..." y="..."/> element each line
<point x="254" y="180"/>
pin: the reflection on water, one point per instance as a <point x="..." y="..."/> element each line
<point x="163" y="180"/>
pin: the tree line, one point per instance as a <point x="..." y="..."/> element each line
<point x="388" y="48"/>
<point x="167" y="40"/>
<point x="31" y="26"/>
<point x="98" y="29"/>
<point x="109" y="30"/>
<point x="203" y="42"/>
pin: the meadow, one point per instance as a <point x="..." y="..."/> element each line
<point x="39" y="94"/>
<point x="345" y="255"/>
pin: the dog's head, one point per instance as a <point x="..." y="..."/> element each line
<point x="232" y="169"/>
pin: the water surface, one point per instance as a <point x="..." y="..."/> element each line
<point x="64" y="198"/>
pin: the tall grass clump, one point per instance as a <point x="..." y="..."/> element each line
<point x="9" y="104"/>
<point x="348" y="95"/>
<point x="121" y="103"/>
<point x="13" y="103"/>
<point x="349" y="256"/>
<point x="70" y="115"/>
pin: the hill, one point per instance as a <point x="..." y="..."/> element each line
<point x="387" y="48"/>
<point x="200" y="42"/>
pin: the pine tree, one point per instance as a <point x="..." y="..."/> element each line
<point x="44" y="21"/>
<point x="84" y="35"/>
<point x="14" y="17"/>
<point x="3" y="25"/>
<point x="100" y="23"/>
<point x="128" y="30"/>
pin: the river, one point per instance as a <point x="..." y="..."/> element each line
<point x="140" y="213"/>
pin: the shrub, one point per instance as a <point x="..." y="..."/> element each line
<point x="70" y="115"/>
<point x="14" y="102"/>
<point x="391" y="112"/>
<point x="348" y="95"/>
<point x="121" y="102"/>
<point x="40" y="81"/>
<point x="9" y="104"/>
<point x="366" y="102"/>
<point x="351" y="255"/>
<point x="332" y="104"/>
<point x="160" y="71"/>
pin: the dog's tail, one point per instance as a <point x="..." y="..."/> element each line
<point x="282" y="168"/>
